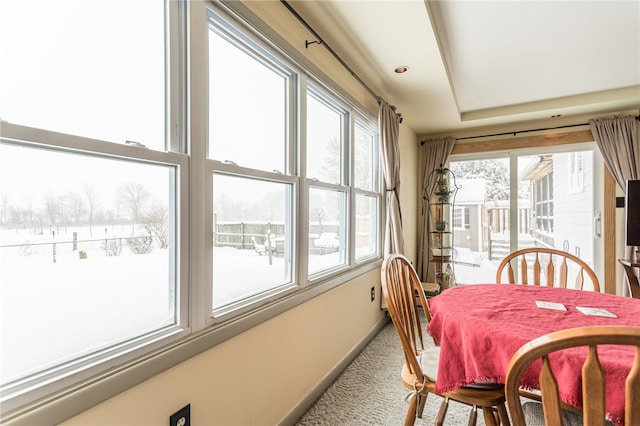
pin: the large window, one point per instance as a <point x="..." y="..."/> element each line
<point x="528" y="198"/>
<point x="366" y="189"/>
<point x="326" y="130"/>
<point x="136" y="209"/>
<point x="91" y="197"/>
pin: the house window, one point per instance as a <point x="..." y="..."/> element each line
<point x="326" y="129"/>
<point x="253" y="237"/>
<point x="460" y="218"/>
<point x="576" y="171"/>
<point x="122" y="233"/>
<point x="366" y="190"/>
<point x="282" y="189"/>
<point x="543" y="203"/>
<point x="256" y="89"/>
<point x="530" y="203"/>
<point x="327" y="227"/>
<point x="252" y="173"/>
<point x="92" y="202"/>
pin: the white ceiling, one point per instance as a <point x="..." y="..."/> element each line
<point x="474" y="64"/>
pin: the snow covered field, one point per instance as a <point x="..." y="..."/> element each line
<point x="53" y="312"/>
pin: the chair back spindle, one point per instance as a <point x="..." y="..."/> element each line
<point x="546" y="261"/>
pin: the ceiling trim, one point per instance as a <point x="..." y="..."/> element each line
<point x="623" y="98"/>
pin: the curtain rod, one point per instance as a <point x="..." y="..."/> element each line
<point x="637" y="117"/>
<point x="319" y="40"/>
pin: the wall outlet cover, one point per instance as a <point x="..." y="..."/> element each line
<point x="182" y="417"/>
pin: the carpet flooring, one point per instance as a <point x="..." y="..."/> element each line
<point x="369" y="392"/>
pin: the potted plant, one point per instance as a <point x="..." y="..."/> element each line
<point x="441" y="225"/>
<point x="442" y="185"/>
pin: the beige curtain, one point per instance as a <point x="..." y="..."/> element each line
<point x="617" y="139"/>
<point x="432" y="154"/>
<point x="389" y="125"/>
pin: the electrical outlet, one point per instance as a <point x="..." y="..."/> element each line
<point x="373" y="293"/>
<point x="182" y="417"/>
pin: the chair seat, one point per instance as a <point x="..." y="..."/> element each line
<point x="429" y="359"/>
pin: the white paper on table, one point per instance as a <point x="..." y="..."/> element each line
<point x="550" y="305"/>
<point x="597" y="312"/>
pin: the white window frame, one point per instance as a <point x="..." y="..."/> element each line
<point x="55" y="379"/>
<point x="197" y="328"/>
<point x="375" y="190"/>
<point x="464" y="214"/>
<point x="512" y="155"/>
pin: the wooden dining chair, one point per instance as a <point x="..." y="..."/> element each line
<point x="547" y="266"/>
<point x="400" y="286"/>
<point x="593" y="377"/>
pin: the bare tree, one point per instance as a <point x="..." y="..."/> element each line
<point x="91" y="197"/>
<point x="133" y="197"/>
<point x="51" y="209"/>
<point x="16" y="217"/>
<point x="4" y="202"/>
<point x="75" y="205"/>
<point x="157" y="224"/>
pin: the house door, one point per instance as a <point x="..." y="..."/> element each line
<point x="526" y="198"/>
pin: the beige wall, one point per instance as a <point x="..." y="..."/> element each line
<point x="259" y="376"/>
<point x="255" y="378"/>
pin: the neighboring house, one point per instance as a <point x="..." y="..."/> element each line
<point x="562" y="201"/>
<point x="466" y="218"/>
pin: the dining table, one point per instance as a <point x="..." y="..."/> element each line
<point x="480" y="327"/>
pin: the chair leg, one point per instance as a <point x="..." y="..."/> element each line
<point x="489" y="416"/>
<point x="422" y="400"/>
<point x="411" y="413"/>
<point x="442" y="412"/>
<point x="473" y="415"/>
<point x="504" y="417"/>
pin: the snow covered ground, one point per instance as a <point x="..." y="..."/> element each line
<point x="53" y="312"/>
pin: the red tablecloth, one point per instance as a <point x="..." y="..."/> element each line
<point x="481" y="326"/>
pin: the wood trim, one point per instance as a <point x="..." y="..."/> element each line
<point x="609" y="233"/>
<point x="548" y="139"/>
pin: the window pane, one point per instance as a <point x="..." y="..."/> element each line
<point x="366" y="225"/>
<point x="73" y="73"/>
<point x="253" y="237"/>
<point x="324" y="141"/>
<point x="87" y="247"/>
<point x="247" y="107"/>
<point x="480" y="219"/>
<point x="364" y="166"/>
<point x="327" y="213"/>
<point x="563" y="216"/>
<point x="550" y="212"/>
<point x="457" y="218"/>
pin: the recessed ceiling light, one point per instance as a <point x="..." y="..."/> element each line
<point x="401" y="69"/>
